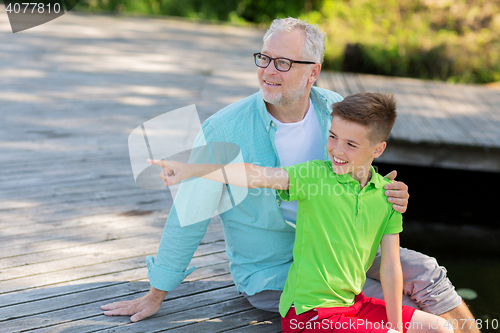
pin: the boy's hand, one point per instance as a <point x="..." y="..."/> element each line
<point x="397" y="193"/>
<point x="173" y="172"/>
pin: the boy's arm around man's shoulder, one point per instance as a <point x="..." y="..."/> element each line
<point x="397" y="193"/>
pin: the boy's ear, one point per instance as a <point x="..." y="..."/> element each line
<point x="379" y="149"/>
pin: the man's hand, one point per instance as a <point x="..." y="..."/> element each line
<point x="397" y="193"/>
<point x="138" y="308"/>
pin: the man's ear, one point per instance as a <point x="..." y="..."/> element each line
<point x="379" y="149"/>
<point x="316" y="68"/>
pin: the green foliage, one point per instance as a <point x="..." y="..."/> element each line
<point x="453" y="40"/>
<point x="220" y="10"/>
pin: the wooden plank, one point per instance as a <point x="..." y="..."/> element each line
<point x="17" y="300"/>
<point x="106" y="268"/>
<point x="339" y="83"/>
<point x="492" y="98"/>
<point x="50" y="233"/>
<point x="213" y="234"/>
<point x="215" y="273"/>
<point x="239" y="320"/>
<point x="55" y="178"/>
<point x="25" y="206"/>
<point x="142" y="246"/>
<point x="402" y="129"/>
<point x="269" y="325"/>
<point x="423" y="113"/>
<point x="333" y="81"/>
<point x="142" y="213"/>
<point x="411" y="114"/>
<point x="96" y="205"/>
<point x="445" y="105"/>
<point x="12" y="177"/>
<point x="214" y="228"/>
<point x="24" y="161"/>
<point x="431" y="111"/>
<point x="70" y="254"/>
<point x="322" y="82"/>
<point x="62" y="190"/>
<point x="68" y="242"/>
<point x="108" y="225"/>
<point x="195" y="309"/>
<point x="488" y="98"/>
<point x="148" y="213"/>
<point x="26" y="217"/>
<point x="470" y="115"/>
<point x="353" y="86"/>
<point x="74" y="307"/>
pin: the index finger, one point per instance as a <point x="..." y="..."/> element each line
<point x="156" y="162"/>
<point x="113" y="306"/>
<point x="396" y="186"/>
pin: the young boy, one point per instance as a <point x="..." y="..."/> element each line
<point x="342" y="218"/>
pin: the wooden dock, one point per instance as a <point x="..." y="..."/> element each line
<point x="74" y="227"/>
<point x="438" y="125"/>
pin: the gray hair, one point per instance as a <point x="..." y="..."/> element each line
<point x="314" y="49"/>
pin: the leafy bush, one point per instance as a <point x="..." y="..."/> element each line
<point x="453" y="40"/>
<point x="259" y="11"/>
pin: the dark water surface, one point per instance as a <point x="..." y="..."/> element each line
<point x="453" y="215"/>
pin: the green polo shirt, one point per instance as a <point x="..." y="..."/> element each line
<point x="339" y="228"/>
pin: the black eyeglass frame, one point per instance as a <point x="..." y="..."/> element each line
<point x="274" y="60"/>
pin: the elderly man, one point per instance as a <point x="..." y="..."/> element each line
<point x="283" y="124"/>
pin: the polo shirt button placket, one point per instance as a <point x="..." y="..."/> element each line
<point x="358" y="212"/>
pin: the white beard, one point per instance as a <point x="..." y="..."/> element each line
<point x="284" y="99"/>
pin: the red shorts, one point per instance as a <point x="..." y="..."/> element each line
<point x="364" y="316"/>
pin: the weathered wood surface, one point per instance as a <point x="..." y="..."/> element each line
<point x="74" y="227"/>
<point x="431" y="112"/>
<point x="439" y="124"/>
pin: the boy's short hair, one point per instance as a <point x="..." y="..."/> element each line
<point x="377" y="111"/>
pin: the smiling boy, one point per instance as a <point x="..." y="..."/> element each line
<point x="342" y="218"/>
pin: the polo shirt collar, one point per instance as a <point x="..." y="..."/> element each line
<point x="375" y="180"/>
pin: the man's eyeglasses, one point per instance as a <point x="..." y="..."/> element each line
<point x="281" y="64"/>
